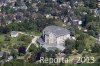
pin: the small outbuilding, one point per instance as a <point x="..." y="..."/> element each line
<point x="14" y="33"/>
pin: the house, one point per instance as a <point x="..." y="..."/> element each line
<point x="11" y="1"/>
<point x="19" y="16"/>
<point x="98" y="3"/>
<point x="35" y="8"/>
<point x="98" y="12"/>
<point x="3" y="3"/>
<point x="14" y="33"/>
<point x="19" y="5"/>
<point x="54" y="37"/>
<point x="76" y="22"/>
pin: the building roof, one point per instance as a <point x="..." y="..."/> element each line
<point x="53" y="47"/>
<point x="58" y="31"/>
<point x="98" y="11"/>
<point x="14" y="32"/>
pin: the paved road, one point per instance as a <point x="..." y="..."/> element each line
<point x="33" y="42"/>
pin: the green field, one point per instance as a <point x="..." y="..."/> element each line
<point x="89" y="41"/>
<point x="2" y="38"/>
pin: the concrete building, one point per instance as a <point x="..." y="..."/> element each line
<point x="54" y="37"/>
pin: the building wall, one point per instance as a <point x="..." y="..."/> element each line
<point x="52" y="38"/>
<point x="14" y="35"/>
<point x="99" y="4"/>
<point x="46" y="38"/>
<point x="61" y="39"/>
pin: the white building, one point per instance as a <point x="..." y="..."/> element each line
<point x="54" y="37"/>
<point x="14" y="34"/>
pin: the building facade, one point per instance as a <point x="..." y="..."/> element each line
<point x="54" y="36"/>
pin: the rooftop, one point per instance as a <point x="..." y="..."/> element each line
<point x="14" y="32"/>
<point x="58" y="31"/>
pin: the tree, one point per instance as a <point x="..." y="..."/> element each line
<point x="70" y="45"/>
<point x="14" y="53"/>
<point x="7" y="38"/>
<point x="22" y="50"/>
<point x="51" y="54"/>
<point x="4" y="30"/>
<point x="80" y="45"/>
<point x="96" y="48"/>
<point x="93" y="28"/>
<point x="8" y="64"/>
<point x="93" y="4"/>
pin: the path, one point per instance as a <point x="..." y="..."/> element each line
<point x="33" y="42"/>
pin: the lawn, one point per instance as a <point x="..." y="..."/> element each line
<point x="2" y="37"/>
<point x="89" y="41"/>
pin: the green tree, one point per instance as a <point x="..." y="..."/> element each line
<point x="14" y="53"/>
<point x="93" y="4"/>
<point x="70" y="45"/>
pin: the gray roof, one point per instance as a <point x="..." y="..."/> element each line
<point x="14" y="32"/>
<point x="53" y="47"/>
<point x="58" y="31"/>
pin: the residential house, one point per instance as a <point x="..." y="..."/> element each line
<point x="54" y="37"/>
<point x="98" y="3"/>
<point x="14" y="34"/>
<point x="76" y="22"/>
<point x="35" y="8"/>
<point x="19" y="16"/>
<point x="3" y="3"/>
<point x="48" y="16"/>
<point x="98" y="12"/>
<point x="20" y="5"/>
<point x="11" y="1"/>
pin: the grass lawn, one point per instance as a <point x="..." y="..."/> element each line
<point x="89" y="41"/>
<point x="13" y="40"/>
<point x="2" y="37"/>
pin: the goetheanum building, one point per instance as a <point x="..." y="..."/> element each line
<point x="54" y="37"/>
